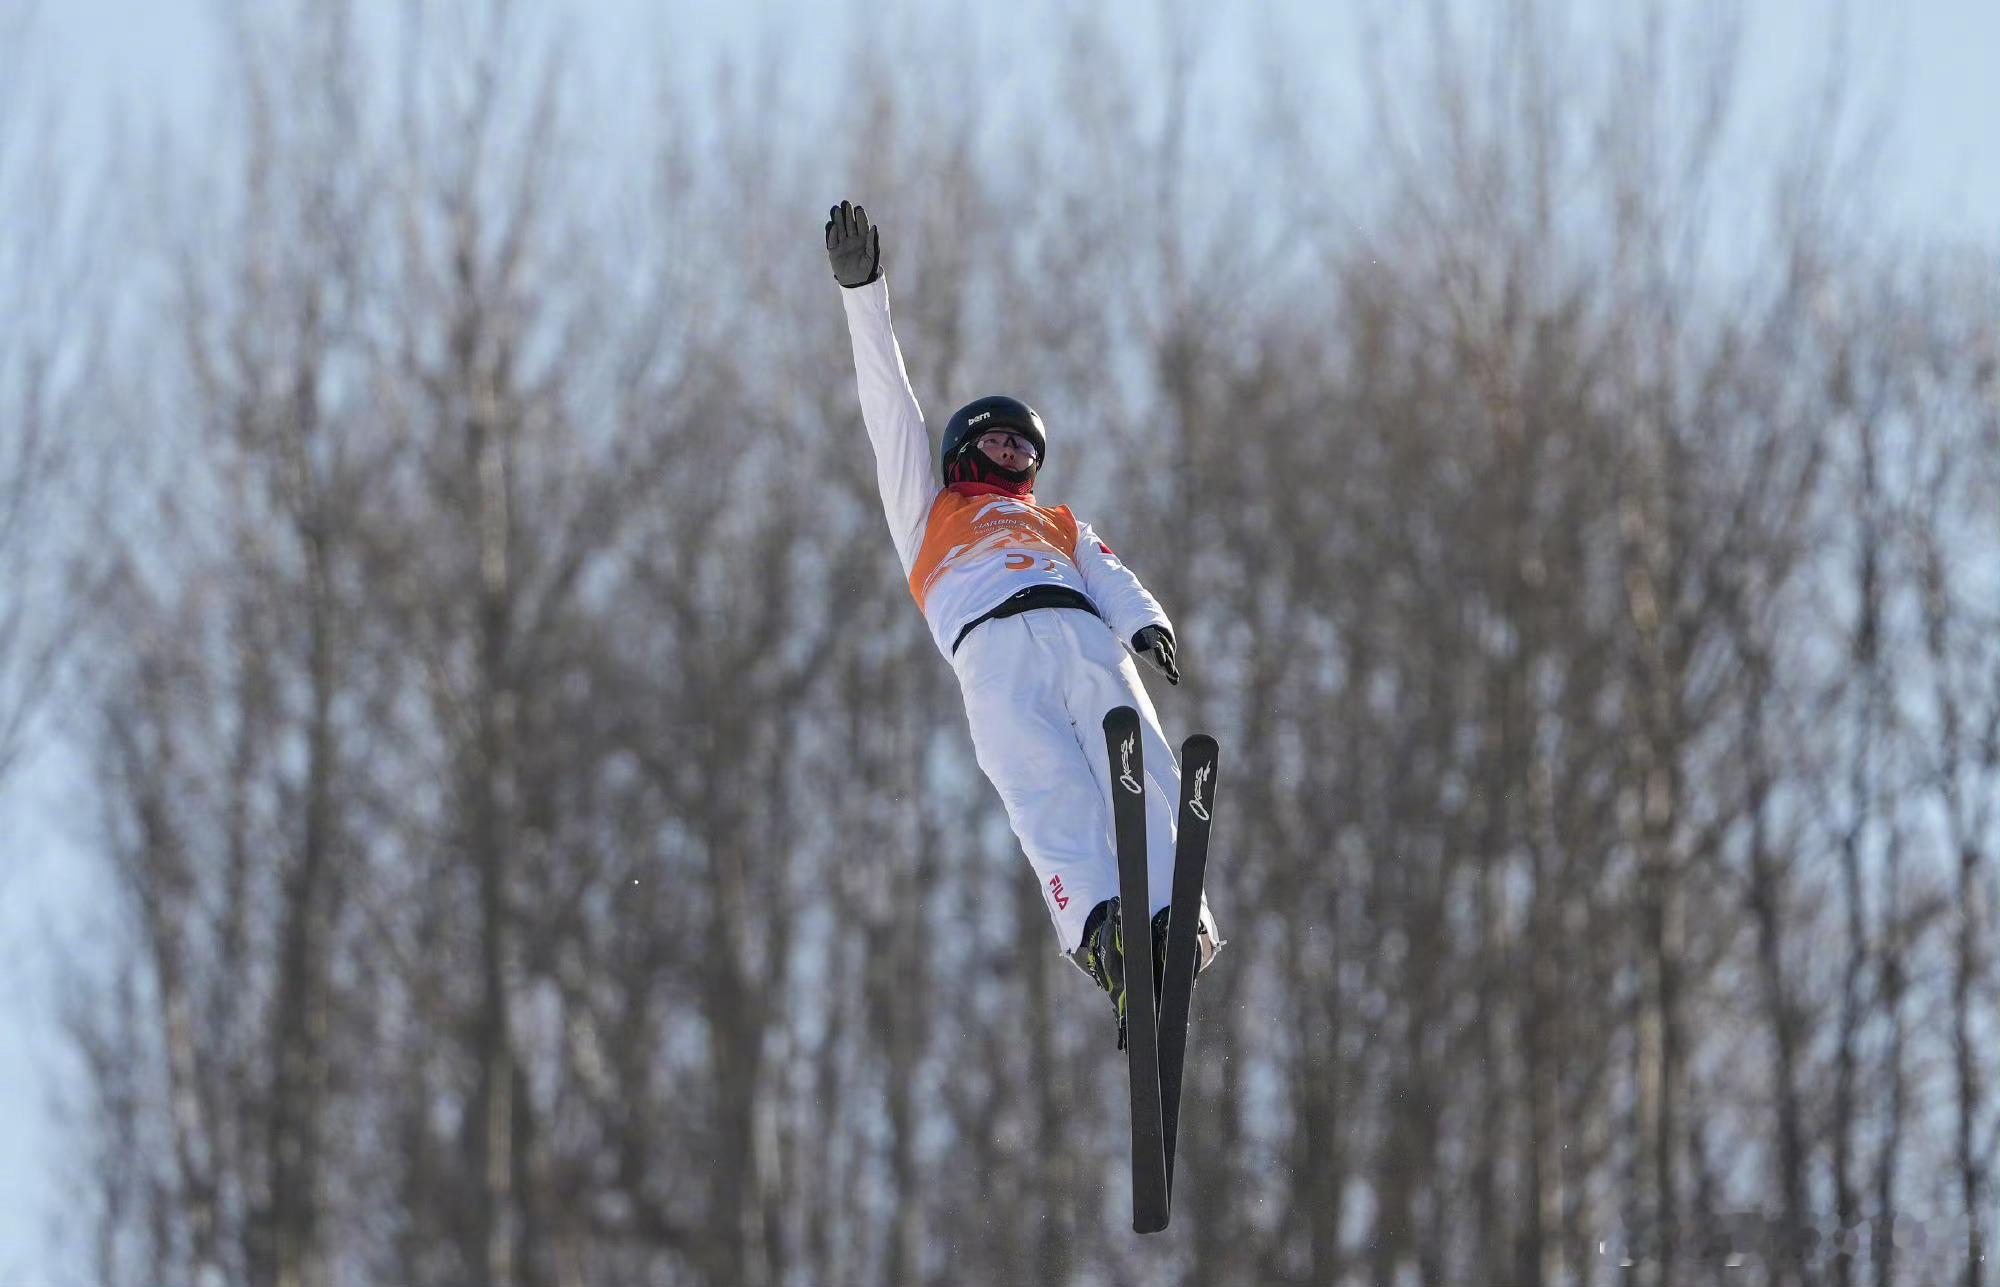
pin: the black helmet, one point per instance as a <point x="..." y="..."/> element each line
<point x="986" y="415"/>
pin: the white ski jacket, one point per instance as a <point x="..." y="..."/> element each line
<point x="967" y="548"/>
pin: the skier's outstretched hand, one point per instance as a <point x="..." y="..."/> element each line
<point x="1156" y="645"/>
<point x="853" y="245"/>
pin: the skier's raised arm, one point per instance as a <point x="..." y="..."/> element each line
<point x="888" y="404"/>
<point x="1039" y="622"/>
<point x="1133" y="614"/>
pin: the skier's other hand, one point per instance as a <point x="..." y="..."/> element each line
<point x="1157" y="646"/>
<point x="853" y="245"/>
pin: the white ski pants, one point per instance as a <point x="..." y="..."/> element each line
<point x="1037" y="687"/>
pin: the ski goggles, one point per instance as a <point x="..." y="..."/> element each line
<point x="996" y="439"/>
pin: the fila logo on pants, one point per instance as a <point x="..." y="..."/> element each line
<point x="1056" y="891"/>
<point x="1125" y="778"/>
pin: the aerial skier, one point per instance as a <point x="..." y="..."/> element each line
<point x="1035" y="614"/>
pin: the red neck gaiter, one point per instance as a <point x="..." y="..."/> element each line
<point x="1019" y="491"/>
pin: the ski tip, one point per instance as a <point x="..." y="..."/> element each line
<point x="1119" y="716"/>
<point x="1149" y="1222"/>
<point x="1199" y="744"/>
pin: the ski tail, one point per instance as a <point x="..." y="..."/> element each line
<point x="1142" y="1051"/>
<point x="1198" y="759"/>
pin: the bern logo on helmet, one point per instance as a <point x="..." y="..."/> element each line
<point x="984" y="415"/>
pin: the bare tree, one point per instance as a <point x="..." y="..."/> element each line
<point x="546" y="848"/>
<point x="50" y="357"/>
<point x="1962" y="712"/>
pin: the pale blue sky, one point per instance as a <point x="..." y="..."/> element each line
<point x="1934" y="65"/>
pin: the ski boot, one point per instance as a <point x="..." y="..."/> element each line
<point x="1102" y="955"/>
<point x="1205" y="946"/>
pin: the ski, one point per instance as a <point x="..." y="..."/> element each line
<point x="1142" y="1052"/>
<point x="1198" y="757"/>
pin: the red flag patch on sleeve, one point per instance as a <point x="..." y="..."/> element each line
<point x="1107" y="549"/>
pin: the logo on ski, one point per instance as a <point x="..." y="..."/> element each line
<point x="1195" y="806"/>
<point x="1125" y="778"/>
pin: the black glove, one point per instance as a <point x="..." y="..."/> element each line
<point x="853" y="245"/>
<point x="1156" y="645"/>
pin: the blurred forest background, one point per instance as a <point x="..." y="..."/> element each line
<point x="545" y="845"/>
